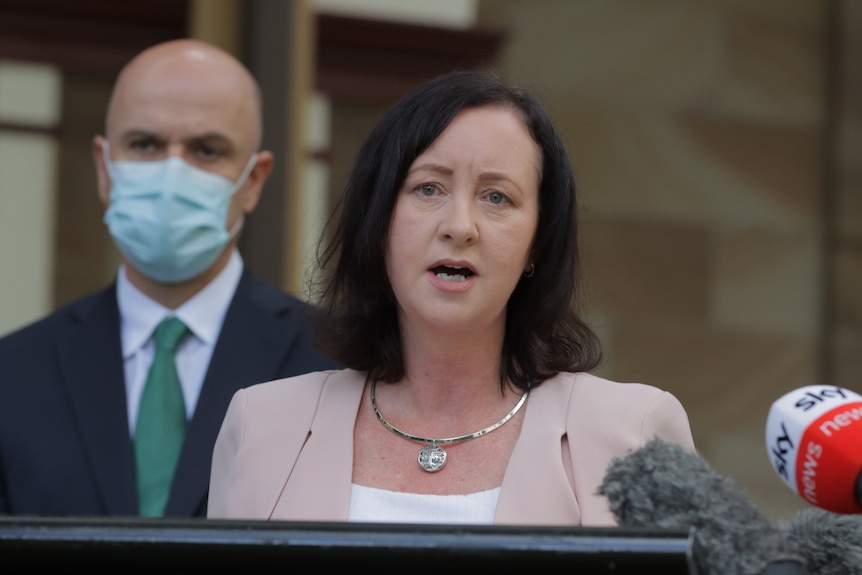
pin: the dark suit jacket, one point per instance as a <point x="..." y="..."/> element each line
<point x="64" y="434"/>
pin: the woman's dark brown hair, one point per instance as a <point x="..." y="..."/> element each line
<point x="545" y="333"/>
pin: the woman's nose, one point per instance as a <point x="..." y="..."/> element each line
<point x="459" y="223"/>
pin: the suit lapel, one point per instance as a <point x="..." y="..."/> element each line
<point x="251" y="348"/>
<point x="92" y="367"/>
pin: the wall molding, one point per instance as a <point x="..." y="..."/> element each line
<point x="376" y="60"/>
<point x="87" y="36"/>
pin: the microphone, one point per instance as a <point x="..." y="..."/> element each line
<point x="830" y="542"/>
<point x="665" y="485"/>
<point x="814" y="440"/>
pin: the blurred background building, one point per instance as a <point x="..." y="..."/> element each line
<point x="716" y="145"/>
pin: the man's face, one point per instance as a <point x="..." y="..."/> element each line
<point x="195" y="106"/>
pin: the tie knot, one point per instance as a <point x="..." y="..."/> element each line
<point x="170" y="333"/>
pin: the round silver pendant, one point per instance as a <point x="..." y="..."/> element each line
<point x="432" y="458"/>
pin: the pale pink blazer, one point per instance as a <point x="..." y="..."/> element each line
<point x="285" y="448"/>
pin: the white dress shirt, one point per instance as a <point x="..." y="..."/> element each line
<point x="203" y="314"/>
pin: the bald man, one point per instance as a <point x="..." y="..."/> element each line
<point x="178" y="169"/>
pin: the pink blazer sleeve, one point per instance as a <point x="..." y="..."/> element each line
<point x="574" y="426"/>
<point x="627" y="417"/>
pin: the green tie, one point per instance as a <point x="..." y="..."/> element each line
<point x="161" y="424"/>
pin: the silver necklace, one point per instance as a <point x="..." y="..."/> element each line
<point x="432" y="457"/>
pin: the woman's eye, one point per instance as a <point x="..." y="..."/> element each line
<point x="428" y="189"/>
<point x="496" y="198"/>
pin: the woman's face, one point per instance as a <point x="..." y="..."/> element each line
<point x="464" y="222"/>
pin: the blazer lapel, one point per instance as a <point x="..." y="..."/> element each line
<point x="321" y="477"/>
<point x="92" y="367"/>
<point x="540" y="455"/>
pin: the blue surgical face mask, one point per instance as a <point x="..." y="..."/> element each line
<point x="168" y="217"/>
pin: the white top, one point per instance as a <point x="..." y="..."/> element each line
<point x="203" y="314"/>
<point x="370" y="505"/>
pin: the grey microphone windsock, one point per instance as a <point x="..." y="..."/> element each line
<point x="814" y="440"/>
<point x="664" y="485"/>
<point x="830" y="542"/>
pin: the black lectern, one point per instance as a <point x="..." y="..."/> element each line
<point x="189" y="546"/>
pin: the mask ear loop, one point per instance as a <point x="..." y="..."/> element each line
<point x="246" y="172"/>
<point x="236" y="227"/>
<point x="106" y="157"/>
<point x="252" y="162"/>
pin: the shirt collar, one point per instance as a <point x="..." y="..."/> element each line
<point x="203" y="314"/>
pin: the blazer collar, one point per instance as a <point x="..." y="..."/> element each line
<point x="319" y="487"/>
<point x="541" y="457"/>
